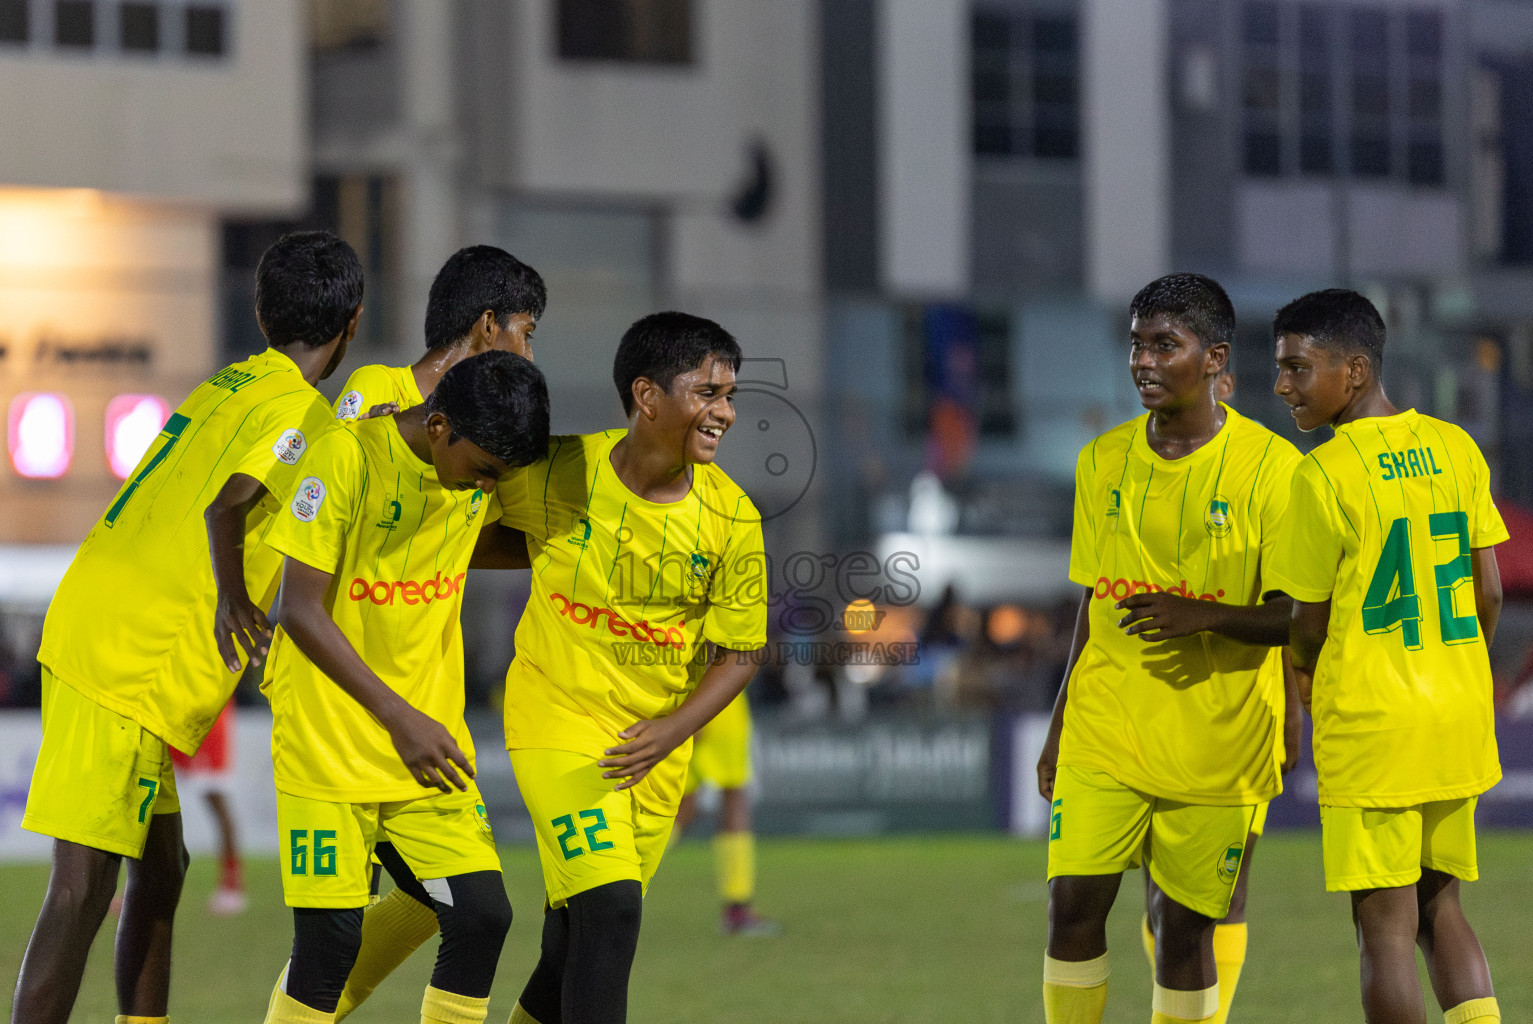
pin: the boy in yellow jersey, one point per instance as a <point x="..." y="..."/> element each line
<point x="139" y="647"/>
<point x="1231" y="933"/>
<point x="721" y="756"/>
<point x="1387" y="551"/>
<point x="482" y="300"/>
<point x="1167" y="734"/>
<point x="643" y="553"/>
<point x="366" y="681"/>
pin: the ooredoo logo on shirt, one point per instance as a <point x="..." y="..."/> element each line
<point x="588" y="615"/>
<point x="1120" y="588"/>
<point x="439" y="588"/>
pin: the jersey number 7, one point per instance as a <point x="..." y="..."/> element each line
<point x="171" y="432"/>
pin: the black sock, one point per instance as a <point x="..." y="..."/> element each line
<point x="544" y="989"/>
<point x="604" y="935"/>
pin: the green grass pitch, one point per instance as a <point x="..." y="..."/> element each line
<point x="876" y="931"/>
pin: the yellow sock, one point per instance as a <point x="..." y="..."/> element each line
<point x="1147" y="936"/>
<point x="284" y="1009"/>
<point x="121" y="1019"/>
<point x="1176" y="1006"/>
<point x="392" y="929"/>
<point x="1074" y="992"/>
<point x="1475" y="1011"/>
<point x="439" y="1007"/>
<point x="521" y="1016"/>
<point x="1229" y="958"/>
<point x="734" y="855"/>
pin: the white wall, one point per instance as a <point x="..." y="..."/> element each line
<point x="925" y="159"/>
<point x="1125" y="117"/>
<point x="228" y="131"/>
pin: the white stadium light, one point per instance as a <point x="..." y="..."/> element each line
<point x="41" y="434"/>
<point x="132" y="424"/>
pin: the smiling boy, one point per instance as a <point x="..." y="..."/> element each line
<point x="1387" y="551"/>
<point x="643" y="554"/>
<point x="1167" y="736"/>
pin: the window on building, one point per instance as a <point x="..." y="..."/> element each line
<point x="635" y="31"/>
<point x="961" y="359"/>
<point x="140" y="27"/>
<point x="74" y="23"/>
<point x="1334" y="89"/>
<point x="1026" y="84"/>
<point x="205" y="30"/>
<point x="14" y="26"/>
<point x="348" y="24"/>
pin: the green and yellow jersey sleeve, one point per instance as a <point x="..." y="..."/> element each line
<point x="1382" y="522"/>
<point x="398" y="545"/>
<point x="131" y="624"/>
<point x="1197" y="719"/>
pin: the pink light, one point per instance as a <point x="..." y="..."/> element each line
<point x="132" y="424"/>
<point x="41" y="435"/>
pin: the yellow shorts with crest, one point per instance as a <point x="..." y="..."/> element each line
<point x="100" y="778"/>
<point x="1385" y="848"/>
<point x="1098" y="826"/>
<point x="325" y="849"/>
<point x="721" y="750"/>
<point x="589" y="834"/>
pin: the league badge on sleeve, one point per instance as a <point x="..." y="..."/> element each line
<point x="289" y="447"/>
<point x="350" y="407"/>
<point x="310" y="496"/>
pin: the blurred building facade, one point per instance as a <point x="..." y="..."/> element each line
<point x="1076" y="149"/>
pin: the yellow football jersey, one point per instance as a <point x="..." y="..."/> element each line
<point x="375" y="515"/>
<point x="131" y="624"/>
<point x="375" y="384"/>
<point x="1381" y="523"/>
<point x="624" y="592"/>
<point x="1197" y="719"/>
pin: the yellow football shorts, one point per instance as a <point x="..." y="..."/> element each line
<point x="100" y="778"/>
<point x="721" y="750"/>
<point x="325" y="849"/>
<point x="1384" y="848"/>
<point x="1098" y="826"/>
<point x="588" y="833"/>
<point x="1259" y="821"/>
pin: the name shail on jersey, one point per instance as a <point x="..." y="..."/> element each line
<point x="438" y="588"/>
<point x="587" y="615"/>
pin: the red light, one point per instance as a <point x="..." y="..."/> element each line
<point x="41" y="435"/>
<point x="132" y="424"/>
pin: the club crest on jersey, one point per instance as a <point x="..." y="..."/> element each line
<point x="289" y="447"/>
<point x="475" y="502"/>
<point x="310" y="496"/>
<point x="1229" y="864"/>
<point x="484" y="820"/>
<point x="392" y="510"/>
<point x="350" y="407"/>
<point x="1114" y="501"/>
<point x="583" y="532"/>
<point x="1217" y="520"/>
<point x="699" y="569"/>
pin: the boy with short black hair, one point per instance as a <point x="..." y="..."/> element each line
<point x="643" y="553"/>
<point x="482" y="300"/>
<point x="366" y="682"/>
<point x="1167" y="737"/>
<point x="149" y="630"/>
<point x="1394" y="507"/>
